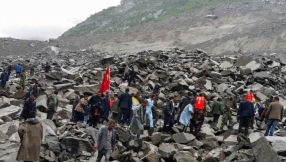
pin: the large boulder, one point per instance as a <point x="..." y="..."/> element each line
<point x="184" y="156"/>
<point x="74" y="145"/>
<point x="42" y="103"/>
<point x="183" y="137"/>
<point x="263" y="152"/>
<point x="123" y="134"/>
<point x="167" y="151"/>
<point x="64" y="114"/>
<point x="19" y="94"/>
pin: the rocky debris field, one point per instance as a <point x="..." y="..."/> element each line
<point x="178" y="71"/>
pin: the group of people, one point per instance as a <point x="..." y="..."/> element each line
<point x="271" y="111"/>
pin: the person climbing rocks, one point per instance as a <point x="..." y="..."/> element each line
<point x="227" y="117"/>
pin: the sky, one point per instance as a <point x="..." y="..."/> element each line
<point x="44" y="19"/>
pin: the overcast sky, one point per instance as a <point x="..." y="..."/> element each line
<point x="44" y="19"/>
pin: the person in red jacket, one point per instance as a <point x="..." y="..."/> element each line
<point x="200" y="102"/>
<point x="250" y="96"/>
<point x="111" y="101"/>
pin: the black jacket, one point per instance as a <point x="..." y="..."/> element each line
<point x="125" y="101"/>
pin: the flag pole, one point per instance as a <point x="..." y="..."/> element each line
<point x="109" y="77"/>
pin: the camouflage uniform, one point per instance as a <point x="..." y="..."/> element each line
<point x="22" y="80"/>
<point x="226" y="116"/>
<point x="52" y="104"/>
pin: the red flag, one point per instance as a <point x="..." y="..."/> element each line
<point x="105" y="81"/>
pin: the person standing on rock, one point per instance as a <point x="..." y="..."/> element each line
<point x="125" y="105"/>
<point x="250" y="96"/>
<point x="135" y="104"/>
<point x="105" y="107"/>
<point x="31" y="134"/>
<point x="156" y="89"/>
<point x="23" y="79"/>
<point x="18" y="70"/>
<point x="244" y="114"/>
<point x="274" y="114"/>
<point x="137" y="121"/>
<point x="30" y="105"/>
<point x="93" y="103"/>
<point x="52" y="104"/>
<point x="35" y="90"/>
<point x="217" y="111"/>
<point x="105" y="141"/>
<point x="186" y="101"/>
<point x="131" y="76"/>
<point x="187" y="115"/>
<point x="227" y="117"/>
<point x="9" y="69"/>
<point x="75" y="117"/>
<point x="80" y="109"/>
<point x="149" y="115"/>
<point x="32" y="71"/>
<point x="200" y="102"/>
<point x="197" y="122"/>
<point x="4" y="78"/>
<point x="47" y="67"/>
<point x="169" y="114"/>
<point x="115" y="108"/>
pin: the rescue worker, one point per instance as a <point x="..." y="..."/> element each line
<point x="169" y="114"/>
<point x="250" y="96"/>
<point x="18" y="70"/>
<point x="52" y="104"/>
<point x="217" y="111"/>
<point x="200" y="102"/>
<point x="4" y="78"/>
<point x="149" y="114"/>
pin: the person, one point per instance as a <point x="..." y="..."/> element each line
<point x="226" y="116"/>
<point x="197" y="122"/>
<point x="18" y="70"/>
<point x="93" y="104"/>
<point x="4" y="78"/>
<point x="217" y="111"/>
<point x="30" y="105"/>
<point x="52" y="103"/>
<point x="187" y="115"/>
<point x="32" y="71"/>
<point x="47" y="67"/>
<point x="105" y="141"/>
<point x="115" y="108"/>
<point x="22" y="79"/>
<point x="35" y="90"/>
<point x="9" y="69"/>
<point x="156" y="89"/>
<point x="274" y="114"/>
<point x="135" y="105"/>
<point x="131" y="76"/>
<point x="111" y="101"/>
<point x="155" y="110"/>
<point x="244" y="114"/>
<point x="125" y="105"/>
<point x="137" y="121"/>
<point x="31" y="135"/>
<point x="80" y="109"/>
<point x="185" y="101"/>
<point x="250" y="96"/>
<point x="75" y="117"/>
<point x="169" y="114"/>
<point x="105" y="107"/>
<point x="200" y="102"/>
<point x="148" y="112"/>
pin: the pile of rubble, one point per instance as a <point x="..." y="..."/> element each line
<point x="178" y="71"/>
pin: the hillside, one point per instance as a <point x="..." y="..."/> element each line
<point x="137" y="12"/>
<point x="243" y="27"/>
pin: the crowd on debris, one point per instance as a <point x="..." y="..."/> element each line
<point x="170" y="106"/>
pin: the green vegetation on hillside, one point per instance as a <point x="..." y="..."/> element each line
<point x="113" y="19"/>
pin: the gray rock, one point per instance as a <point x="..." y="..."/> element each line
<point x="226" y="65"/>
<point x="184" y="156"/>
<point x="263" y="152"/>
<point x="64" y="114"/>
<point x="243" y="61"/>
<point x="183" y="137"/>
<point x="280" y="147"/>
<point x="124" y="135"/>
<point x="210" y="143"/>
<point x="42" y="103"/>
<point x="19" y="95"/>
<point x="167" y="151"/>
<point x="253" y="65"/>
<point x="262" y="74"/>
<point x="214" y="74"/>
<point x="81" y="145"/>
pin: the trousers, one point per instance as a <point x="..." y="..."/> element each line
<point x="105" y="153"/>
<point x="271" y="125"/>
<point x="124" y="116"/>
<point x="149" y="116"/>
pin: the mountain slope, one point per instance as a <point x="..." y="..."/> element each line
<point x="243" y="27"/>
<point x="137" y="12"/>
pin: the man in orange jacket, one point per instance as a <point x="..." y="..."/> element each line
<point x="200" y="102"/>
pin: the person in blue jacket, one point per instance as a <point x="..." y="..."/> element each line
<point x="245" y="113"/>
<point x="105" y="107"/>
<point x="93" y="103"/>
<point x="4" y="78"/>
<point x="125" y="105"/>
<point x="18" y="70"/>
